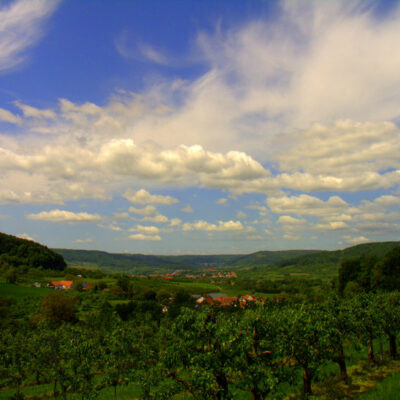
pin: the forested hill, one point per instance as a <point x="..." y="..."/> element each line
<point x="140" y="263"/>
<point x="17" y="252"/>
<point x="327" y="258"/>
<point x="270" y="257"/>
<point x="137" y="263"/>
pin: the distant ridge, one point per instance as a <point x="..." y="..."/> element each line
<point x="137" y="263"/>
<point x="334" y="257"/>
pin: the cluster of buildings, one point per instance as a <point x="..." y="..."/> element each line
<point x="226" y="301"/>
<point x="64" y="285"/>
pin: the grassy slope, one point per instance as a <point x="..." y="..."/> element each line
<point x="17" y="292"/>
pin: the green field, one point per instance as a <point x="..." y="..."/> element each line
<point x="18" y="292"/>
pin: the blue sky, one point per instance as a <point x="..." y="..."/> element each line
<point x="200" y="126"/>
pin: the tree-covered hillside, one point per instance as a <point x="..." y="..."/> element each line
<point x="16" y="252"/>
<point x="327" y="258"/>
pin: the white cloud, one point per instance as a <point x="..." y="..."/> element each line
<point x="25" y="236"/>
<point x="209" y="227"/>
<point x="175" y="222"/>
<point x="83" y="241"/>
<point x="33" y="112"/>
<point x="331" y="226"/>
<point x="121" y="216"/>
<point x="7" y="116"/>
<point x="356" y="240"/>
<point x="290" y="236"/>
<point x="21" y="26"/>
<point x="308" y="205"/>
<point x="64" y="216"/>
<point x="288" y="220"/>
<point x="151" y="230"/>
<point x="187" y="209"/>
<point x="221" y="201"/>
<point x="148" y="211"/>
<point x="141" y="236"/>
<point x="159" y="218"/>
<point x="143" y="197"/>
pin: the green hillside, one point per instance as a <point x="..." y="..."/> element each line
<point x="334" y="258"/>
<point x="270" y="257"/>
<point x="16" y="252"/>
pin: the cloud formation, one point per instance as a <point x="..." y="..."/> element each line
<point x="64" y="216"/>
<point x="21" y="26"/>
<point x="143" y="197"/>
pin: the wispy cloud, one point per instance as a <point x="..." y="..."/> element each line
<point x="21" y="26"/>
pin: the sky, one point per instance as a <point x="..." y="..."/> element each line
<point x="200" y="127"/>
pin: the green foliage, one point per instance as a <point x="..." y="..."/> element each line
<point x="16" y="252"/>
<point x="58" y="307"/>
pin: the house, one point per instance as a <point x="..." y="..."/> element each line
<point x="60" y="285"/>
<point x="86" y="286"/>
<point x="203" y="300"/>
<point x="227" y="301"/>
<point x="37" y="284"/>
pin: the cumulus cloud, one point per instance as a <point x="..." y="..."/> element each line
<point x="151" y="230"/>
<point x="141" y="236"/>
<point x="143" y="197"/>
<point x="287" y="220"/>
<point x="175" y="222"/>
<point x="308" y="205"/>
<point x="64" y="216"/>
<point x="187" y="209"/>
<point x="221" y="201"/>
<point x="21" y="26"/>
<point x="209" y="227"/>
<point x="25" y="236"/>
<point x="356" y="240"/>
<point x="148" y="211"/>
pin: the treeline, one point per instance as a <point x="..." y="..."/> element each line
<point x="17" y="253"/>
<point x="209" y="353"/>
<point x="369" y="273"/>
<point x="335" y="257"/>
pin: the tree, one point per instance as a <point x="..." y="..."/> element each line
<point x="389" y="306"/>
<point x="368" y="319"/>
<point x="303" y="329"/>
<point x="259" y="357"/>
<point x="340" y="328"/>
<point x="199" y="351"/>
<point x="387" y="272"/>
<point x="58" y="307"/>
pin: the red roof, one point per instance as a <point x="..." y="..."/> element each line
<point x="226" y="301"/>
<point x="62" y="283"/>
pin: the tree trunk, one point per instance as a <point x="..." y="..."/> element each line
<point x="63" y="391"/>
<point x="55" y="388"/>
<point x="257" y="394"/>
<point x="115" y="392"/>
<point x="223" y="384"/>
<point x="342" y="363"/>
<point x="306" y="381"/>
<point x="371" y="356"/>
<point x="392" y="345"/>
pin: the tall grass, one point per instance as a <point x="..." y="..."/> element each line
<point x="388" y="389"/>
